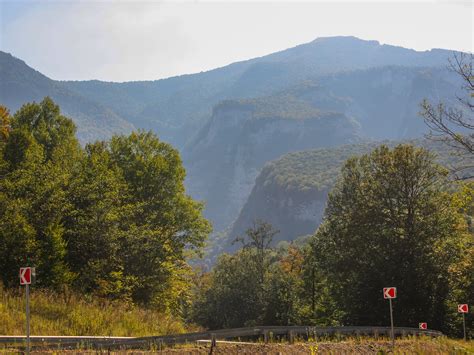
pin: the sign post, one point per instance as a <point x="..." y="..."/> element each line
<point x="389" y="293"/>
<point x="463" y="308"/>
<point x="423" y="326"/>
<point x="26" y="276"/>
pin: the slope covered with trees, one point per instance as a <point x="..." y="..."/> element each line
<point x="291" y="192"/>
<point x="242" y="136"/>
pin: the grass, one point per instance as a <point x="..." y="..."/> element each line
<point x="347" y="345"/>
<point x="71" y="314"/>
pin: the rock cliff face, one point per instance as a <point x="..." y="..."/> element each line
<point x="240" y="137"/>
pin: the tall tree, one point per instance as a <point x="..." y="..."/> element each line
<point x="39" y="154"/>
<point x="259" y="237"/>
<point x="164" y="222"/>
<point x="389" y="223"/>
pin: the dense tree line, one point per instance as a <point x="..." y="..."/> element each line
<point x="393" y="219"/>
<point x="111" y="218"/>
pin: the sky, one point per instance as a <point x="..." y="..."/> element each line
<point x="149" y="40"/>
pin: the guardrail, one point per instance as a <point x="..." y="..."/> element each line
<point x="265" y="332"/>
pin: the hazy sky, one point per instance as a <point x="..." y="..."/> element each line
<point x="146" y="40"/>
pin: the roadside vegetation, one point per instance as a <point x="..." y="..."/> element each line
<point x="68" y="313"/>
<point x="366" y="346"/>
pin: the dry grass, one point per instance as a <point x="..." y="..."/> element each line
<point x="70" y="314"/>
<point x="349" y="346"/>
<point x="363" y="346"/>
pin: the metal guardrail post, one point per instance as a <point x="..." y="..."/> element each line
<point x="291" y="338"/>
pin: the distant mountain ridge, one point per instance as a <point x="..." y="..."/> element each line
<point x="228" y="122"/>
<point x="178" y="106"/>
<point x="20" y="84"/>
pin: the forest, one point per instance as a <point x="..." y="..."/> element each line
<point x="111" y="221"/>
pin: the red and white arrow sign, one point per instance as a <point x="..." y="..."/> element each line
<point x="423" y="325"/>
<point x="25" y="275"/>
<point x="463" y="308"/>
<point x="389" y="292"/>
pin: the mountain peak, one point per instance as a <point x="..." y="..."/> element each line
<point x="344" y="40"/>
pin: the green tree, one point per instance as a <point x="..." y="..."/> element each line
<point x="38" y="157"/>
<point x="389" y="222"/>
<point x="112" y="219"/>
<point x="259" y="237"/>
<point x="284" y="302"/>
<point x="236" y="291"/>
<point x="231" y="298"/>
<point x="163" y="222"/>
<point x="94" y="224"/>
<point x="462" y="271"/>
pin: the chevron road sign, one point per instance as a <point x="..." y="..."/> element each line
<point x="389" y="292"/>
<point x="25" y="276"/>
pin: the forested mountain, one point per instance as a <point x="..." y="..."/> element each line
<point x="20" y="84"/>
<point x="291" y="192"/>
<point x="243" y="135"/>
<point x="378" y="103"/>
<point x="228" y="122"/>
<point x="177" y="107"/>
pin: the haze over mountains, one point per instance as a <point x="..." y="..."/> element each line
<point x="229" y="122"/>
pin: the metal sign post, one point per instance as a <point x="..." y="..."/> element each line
<point x="28" y="319"/>
<point x="463" y="308"/>
<point x="27" y="275"/>
<point x="464" y="325"/>
<point x="392" y="335"/>
<point x="390" y="292"/>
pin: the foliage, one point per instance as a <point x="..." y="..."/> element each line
<point x="283" y="106"/>
<point x="258" y="285"/>
<point x="4" y="123"/>
<point x="69" y="313"/>
<point x="111" y="219"/>
<point x="318" y="169"/>
<point x="389" y="222"/>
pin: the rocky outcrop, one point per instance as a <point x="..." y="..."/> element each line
<point x="291" y="192"/>
<point x="241" y="137"/>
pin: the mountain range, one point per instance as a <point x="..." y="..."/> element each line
<point x="231" y="122"/>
